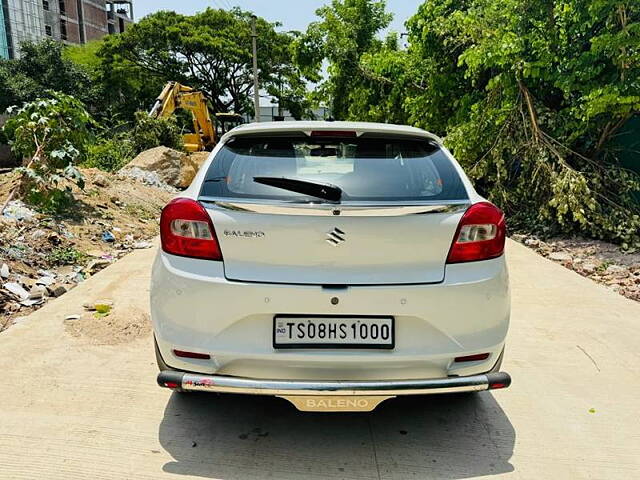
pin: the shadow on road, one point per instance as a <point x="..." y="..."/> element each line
<point x="244" y="437"/>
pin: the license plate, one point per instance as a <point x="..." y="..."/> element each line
<point x="295" y="331"/>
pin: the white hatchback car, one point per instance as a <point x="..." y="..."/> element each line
<point x="333" y="264"/>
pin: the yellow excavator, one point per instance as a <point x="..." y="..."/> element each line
<point x="175" y="95"/>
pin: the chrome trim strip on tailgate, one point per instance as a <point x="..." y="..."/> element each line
<point x="389" y="209"/>
<point x="225" y="384"/>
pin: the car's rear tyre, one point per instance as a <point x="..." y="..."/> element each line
<point x="163" y="366"/>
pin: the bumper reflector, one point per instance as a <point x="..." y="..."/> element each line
<point x="184" y="354"/>
<point x="472" y="358"/>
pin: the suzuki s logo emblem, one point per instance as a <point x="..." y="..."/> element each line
<point x="335" y="237"/>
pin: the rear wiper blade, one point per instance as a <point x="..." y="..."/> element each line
<point x="325" y="191"/>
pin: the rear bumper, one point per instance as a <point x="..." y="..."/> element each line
<point x="389" y="388"/>
<point x="195" y="308"/>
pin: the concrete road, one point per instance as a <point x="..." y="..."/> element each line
<point x="71" y="409"/>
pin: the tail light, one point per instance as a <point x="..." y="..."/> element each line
<point x="480" y="234"/>
<point x="334" y="133"/>
<point x="186" y="230"/>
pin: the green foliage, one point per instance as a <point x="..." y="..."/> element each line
<point x="112" y="151"/>
<point x="210" y="51"/>
<point x="119" y="87"/>
<point x="347" y="30"/>
<point x="40" y="68"/>
<point x="109" y="154"/>
<point x="529" y="94"/>
<point x="85" y="55"/>
<point x="66" y="256"/>
<point x="151" y="132"/>
<point x="111" y="90"/>
<point x="53" y="133"/>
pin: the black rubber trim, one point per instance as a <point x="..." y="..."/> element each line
<point x="499" y="377"/>
<point x="170" y="376"/>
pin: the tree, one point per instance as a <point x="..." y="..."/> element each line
<point x="347" y="30"/>
<point x="210" y="51"/>
<point x="374" y="97"/>
<point x="529" y="94"/>
<point x="119" y="88"/>
<point x="40" y="68"/>
<point x="53" y="133"/>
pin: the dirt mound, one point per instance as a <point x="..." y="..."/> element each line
<point x="198" y="158"/>
<point x="172" y="167"/>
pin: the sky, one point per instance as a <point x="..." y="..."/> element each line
<point x="293" y="14"/>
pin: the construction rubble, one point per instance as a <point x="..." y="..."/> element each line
<point x="43" y="256"/>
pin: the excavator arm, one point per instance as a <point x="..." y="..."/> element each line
<point x="174" y="96"/>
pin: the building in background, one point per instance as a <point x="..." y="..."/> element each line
<point x="4" y="46"/>
<point x="119" y="15"/>
<point x="70" y="21"/>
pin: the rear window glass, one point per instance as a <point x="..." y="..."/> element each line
<point x="366" y="169"/>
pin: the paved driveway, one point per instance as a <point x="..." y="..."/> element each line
<point x="73" y="409"/>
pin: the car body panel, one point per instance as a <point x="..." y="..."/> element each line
<point x="265" y="247"/>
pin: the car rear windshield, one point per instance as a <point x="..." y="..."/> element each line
<point x="365" y="169"/>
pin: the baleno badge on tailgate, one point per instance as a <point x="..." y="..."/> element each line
<point x="243" y="233"/>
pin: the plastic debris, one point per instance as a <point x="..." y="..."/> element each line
<point x="142" y="245"/>
<point x="108" y="237"/>
<point x="4" y="271"/>
<point x="46" y="281"/>
<point x="72" y="317"/>
<point x="101" y="306"/>
<point x="77" y="277"/>
<point x="17" y="290"/>
<point x="18" y="211"/>
<point x="97" y="264"/>
<point x="30" y="302"/>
